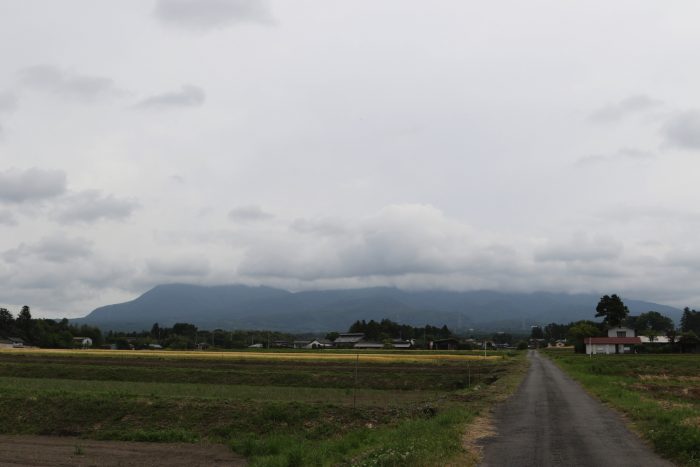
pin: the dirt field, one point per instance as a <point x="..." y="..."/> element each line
<point x="53" y="451"/>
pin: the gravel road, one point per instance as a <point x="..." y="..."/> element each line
<point x="551" y="421"/>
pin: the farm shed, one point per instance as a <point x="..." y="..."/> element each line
<point x="348" y="340"/>
<point x="445" y="344"/>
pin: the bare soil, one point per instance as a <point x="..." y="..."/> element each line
<point x="54" y="451"/>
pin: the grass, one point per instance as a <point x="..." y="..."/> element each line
<point x="659" y="394"/>
<point x="276" y="410"/>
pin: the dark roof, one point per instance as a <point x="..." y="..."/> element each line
<point x="612" y="340"/>
<point x="349" y="338"/>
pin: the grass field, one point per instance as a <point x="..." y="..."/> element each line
<point x="275" y="408"/>
<point x="660" y="394"/>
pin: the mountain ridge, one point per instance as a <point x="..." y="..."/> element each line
<point x="261" y="307"/>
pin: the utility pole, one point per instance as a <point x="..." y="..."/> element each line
<point x="354" y="388"/>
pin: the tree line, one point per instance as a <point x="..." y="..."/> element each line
<point x="614" y="312"/>
<point x="388" y="329"/>
<point x="41" y="332"/>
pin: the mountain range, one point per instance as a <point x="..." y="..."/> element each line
<point x="245" y="307"/>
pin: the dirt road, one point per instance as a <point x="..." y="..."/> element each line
<point x="551" y="421"/>
<point x="53" y="451"/>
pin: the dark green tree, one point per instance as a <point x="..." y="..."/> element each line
<point x="612" y="309"/>
<point x="536" y="332"/>
<point x="690" y="321"/>
<point x="24" y="322"/>
<point x="6" y="321"/>
<point x="652" y="324"/>
<point x="578" y="332"/>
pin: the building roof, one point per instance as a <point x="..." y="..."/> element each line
<point x="349" y="338"/>
<point x="612" y="340"/>
<point x="369" y="345"/>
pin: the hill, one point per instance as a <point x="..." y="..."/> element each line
<point x="244" y="307"/>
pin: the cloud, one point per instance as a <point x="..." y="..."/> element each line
<point x="54" y="249"/>
<point x="621" y="154"/>
<point x="91" y="206"/>
<point x="68" y="84"/>
<point x="187" y="96"/>
<point x="248" y="214"/>
<point x="683" y="130"/>
<point x="178" y="267"/>
<point x="580" y="248"/>
<point x="211" y="14"/>
<point x="7" y="218"/>
<point x="8" y="102"/>
<point x="17" y="186"/>
<point x="630" y="106"/>
<point x="400" y="240"/>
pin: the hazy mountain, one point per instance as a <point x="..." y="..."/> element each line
<point x="243" y="307"/>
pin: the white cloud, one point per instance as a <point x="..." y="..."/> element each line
<point x="211" y="14"/>
<point x="628" y="154"/>
<point x="55" y="249"/>
<point x="581" y="248"/>
<point x="7" y="218"/>
<point x="187" y="96"/>
<point x="91" y="206"/>
<point x="68" y="84"/>
<point x="189" y="266"/>
<point x="17" y="186"/>
<point x="8" y="102"/>
<point x="632" y="105"/>
<point x="400" y="240"/>
<point x="248" y="213"/>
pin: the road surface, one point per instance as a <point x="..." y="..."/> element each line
<point x="551" y="421"/>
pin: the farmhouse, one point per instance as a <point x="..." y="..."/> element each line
<point x="348" y="340"/>
<point x="313" y="344"/>
<point x="619" y="340"/>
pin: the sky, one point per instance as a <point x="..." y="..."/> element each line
<point x="460" y="145"/>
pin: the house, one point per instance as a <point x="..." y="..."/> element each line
<point x="621" y="332"/>
<point x="313" y="344"/>
<point x="348" y="340"/>
<point x="301" y="344"/>
<point x="620" y="340"/>
<point x="255" y="346"/>
<point x="445" y="344"/>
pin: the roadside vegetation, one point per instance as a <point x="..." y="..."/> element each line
<point x="383" y="409"/>
<point x="660" y="395"/>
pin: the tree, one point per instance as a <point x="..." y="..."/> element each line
<point x="690" y="321"/>
<point x="652" y="324"/>
<point x="578" y="332"/>
<point x="536" y="332"/>
<point x="612" y="309"/>
<point x="24" y="322"/>
<point x="6" y="320"/>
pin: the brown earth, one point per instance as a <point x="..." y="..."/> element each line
<point x="54" y="451"/>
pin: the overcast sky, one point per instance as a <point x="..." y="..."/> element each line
<point x="514" y="146"/>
